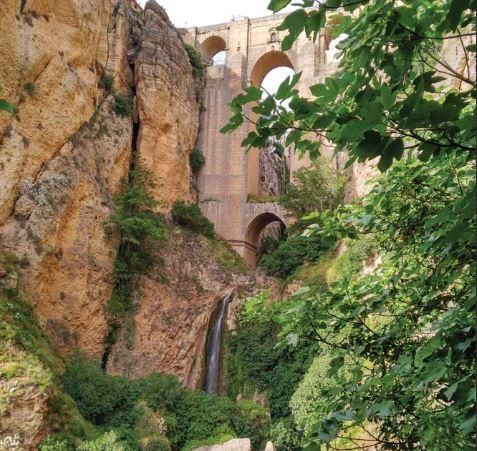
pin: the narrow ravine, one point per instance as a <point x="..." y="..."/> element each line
<point x="214" y="345"/>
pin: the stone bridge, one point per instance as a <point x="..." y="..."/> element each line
<point x="231" y="175"/>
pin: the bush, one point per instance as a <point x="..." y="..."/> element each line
<point x="196" y="160"/>
<point x="122" y="105"/>
<point x="106" y="82"/>
<point x="284" y="436"/>
<point x="292" y="253"/>
<point x="318" y="188"/>
<point x="196" y="61"/>
<point x="191" y="217"/>
<point x="107" y="442"/>
<point x="30" y="88"/>
<point x="156" y="443"/>
<point x="160" y="391"/>
<point x="53" y="444"/>
<point x="99" y="396"/>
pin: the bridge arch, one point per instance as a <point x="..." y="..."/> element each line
<point x="211" y="46"/>
<point x="266" y="63"/>
<point x="252" y="235"/>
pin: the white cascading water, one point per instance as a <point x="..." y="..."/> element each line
<point x="214" y="348"/>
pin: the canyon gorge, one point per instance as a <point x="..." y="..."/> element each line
<point x="131" y="227"/>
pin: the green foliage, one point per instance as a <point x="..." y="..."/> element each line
<point x="122" y="405"/>
<point x="122" y="105"/>
<point x="255" y="359"/>
<point x="157" y="443"/>
<point x="30" y="88"/>
<point x="293" y="252"/>
<point x="318" y="188"/>
<point x="386" y="97"/>
<point x="99" y="397"/>
<point x="53" y="444"/>
<point x="106" y="82"/>
<point x="140" y="230"/>
<point x="197" y="63"/>
<point x="192" y="218"/>
<point x="411" y="332"/>
<point x="284" y="436"/>
<point x="196" y="160"/>
<point x="6" y="106"/>
<point x="107" y="442"/>
<point x="406" y="332"/>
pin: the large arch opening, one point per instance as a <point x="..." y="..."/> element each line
<point x="257" y="230"/>
<point x="268" y="73"/>
<point x="213" y="50"/>
<point x="267" y="63"/>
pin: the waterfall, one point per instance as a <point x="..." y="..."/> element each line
<point x="214" y="348"/>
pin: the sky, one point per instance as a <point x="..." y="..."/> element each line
<point x="190" y="13"/>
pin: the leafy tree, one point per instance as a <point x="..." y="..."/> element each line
<point x="410" y="323"/>
<point x="318" y="188"/>
<point x="395" y="98"/>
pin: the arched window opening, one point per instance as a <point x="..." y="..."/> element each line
<point x="266" y="63"/>
<point x="211" y="47"/>
<point x="273" y="37"/>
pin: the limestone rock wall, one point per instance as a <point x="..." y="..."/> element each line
<point x="62" y="157"/>
<point x="64" y="152"/>
<point x="167" y="106"/>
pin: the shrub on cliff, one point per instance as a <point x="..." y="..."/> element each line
<point x="191" y="217"/>
<point x="196" y="61"/>
<point x="123" y="105"/>
<point x="292" y="253"/>
<point x="196" y="160"/>
<point x="106" y="82"/>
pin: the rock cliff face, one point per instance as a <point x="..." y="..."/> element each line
<point x="167" y="106"/>
<point x="63" y="153"/>
<point x="176" y="305"/>
<point x="62" y="156"/>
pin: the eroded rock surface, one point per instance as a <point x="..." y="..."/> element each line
<point x="175" y="307"/>
<point x="167" y="106"/>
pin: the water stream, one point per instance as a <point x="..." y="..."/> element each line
<point x="214" y="344"/>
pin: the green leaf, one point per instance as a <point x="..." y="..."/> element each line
<point x="6" y="106"/>
<point x="278" y="5"/>
<point x="316" y="21"/>
<point x="457" y="8"/>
